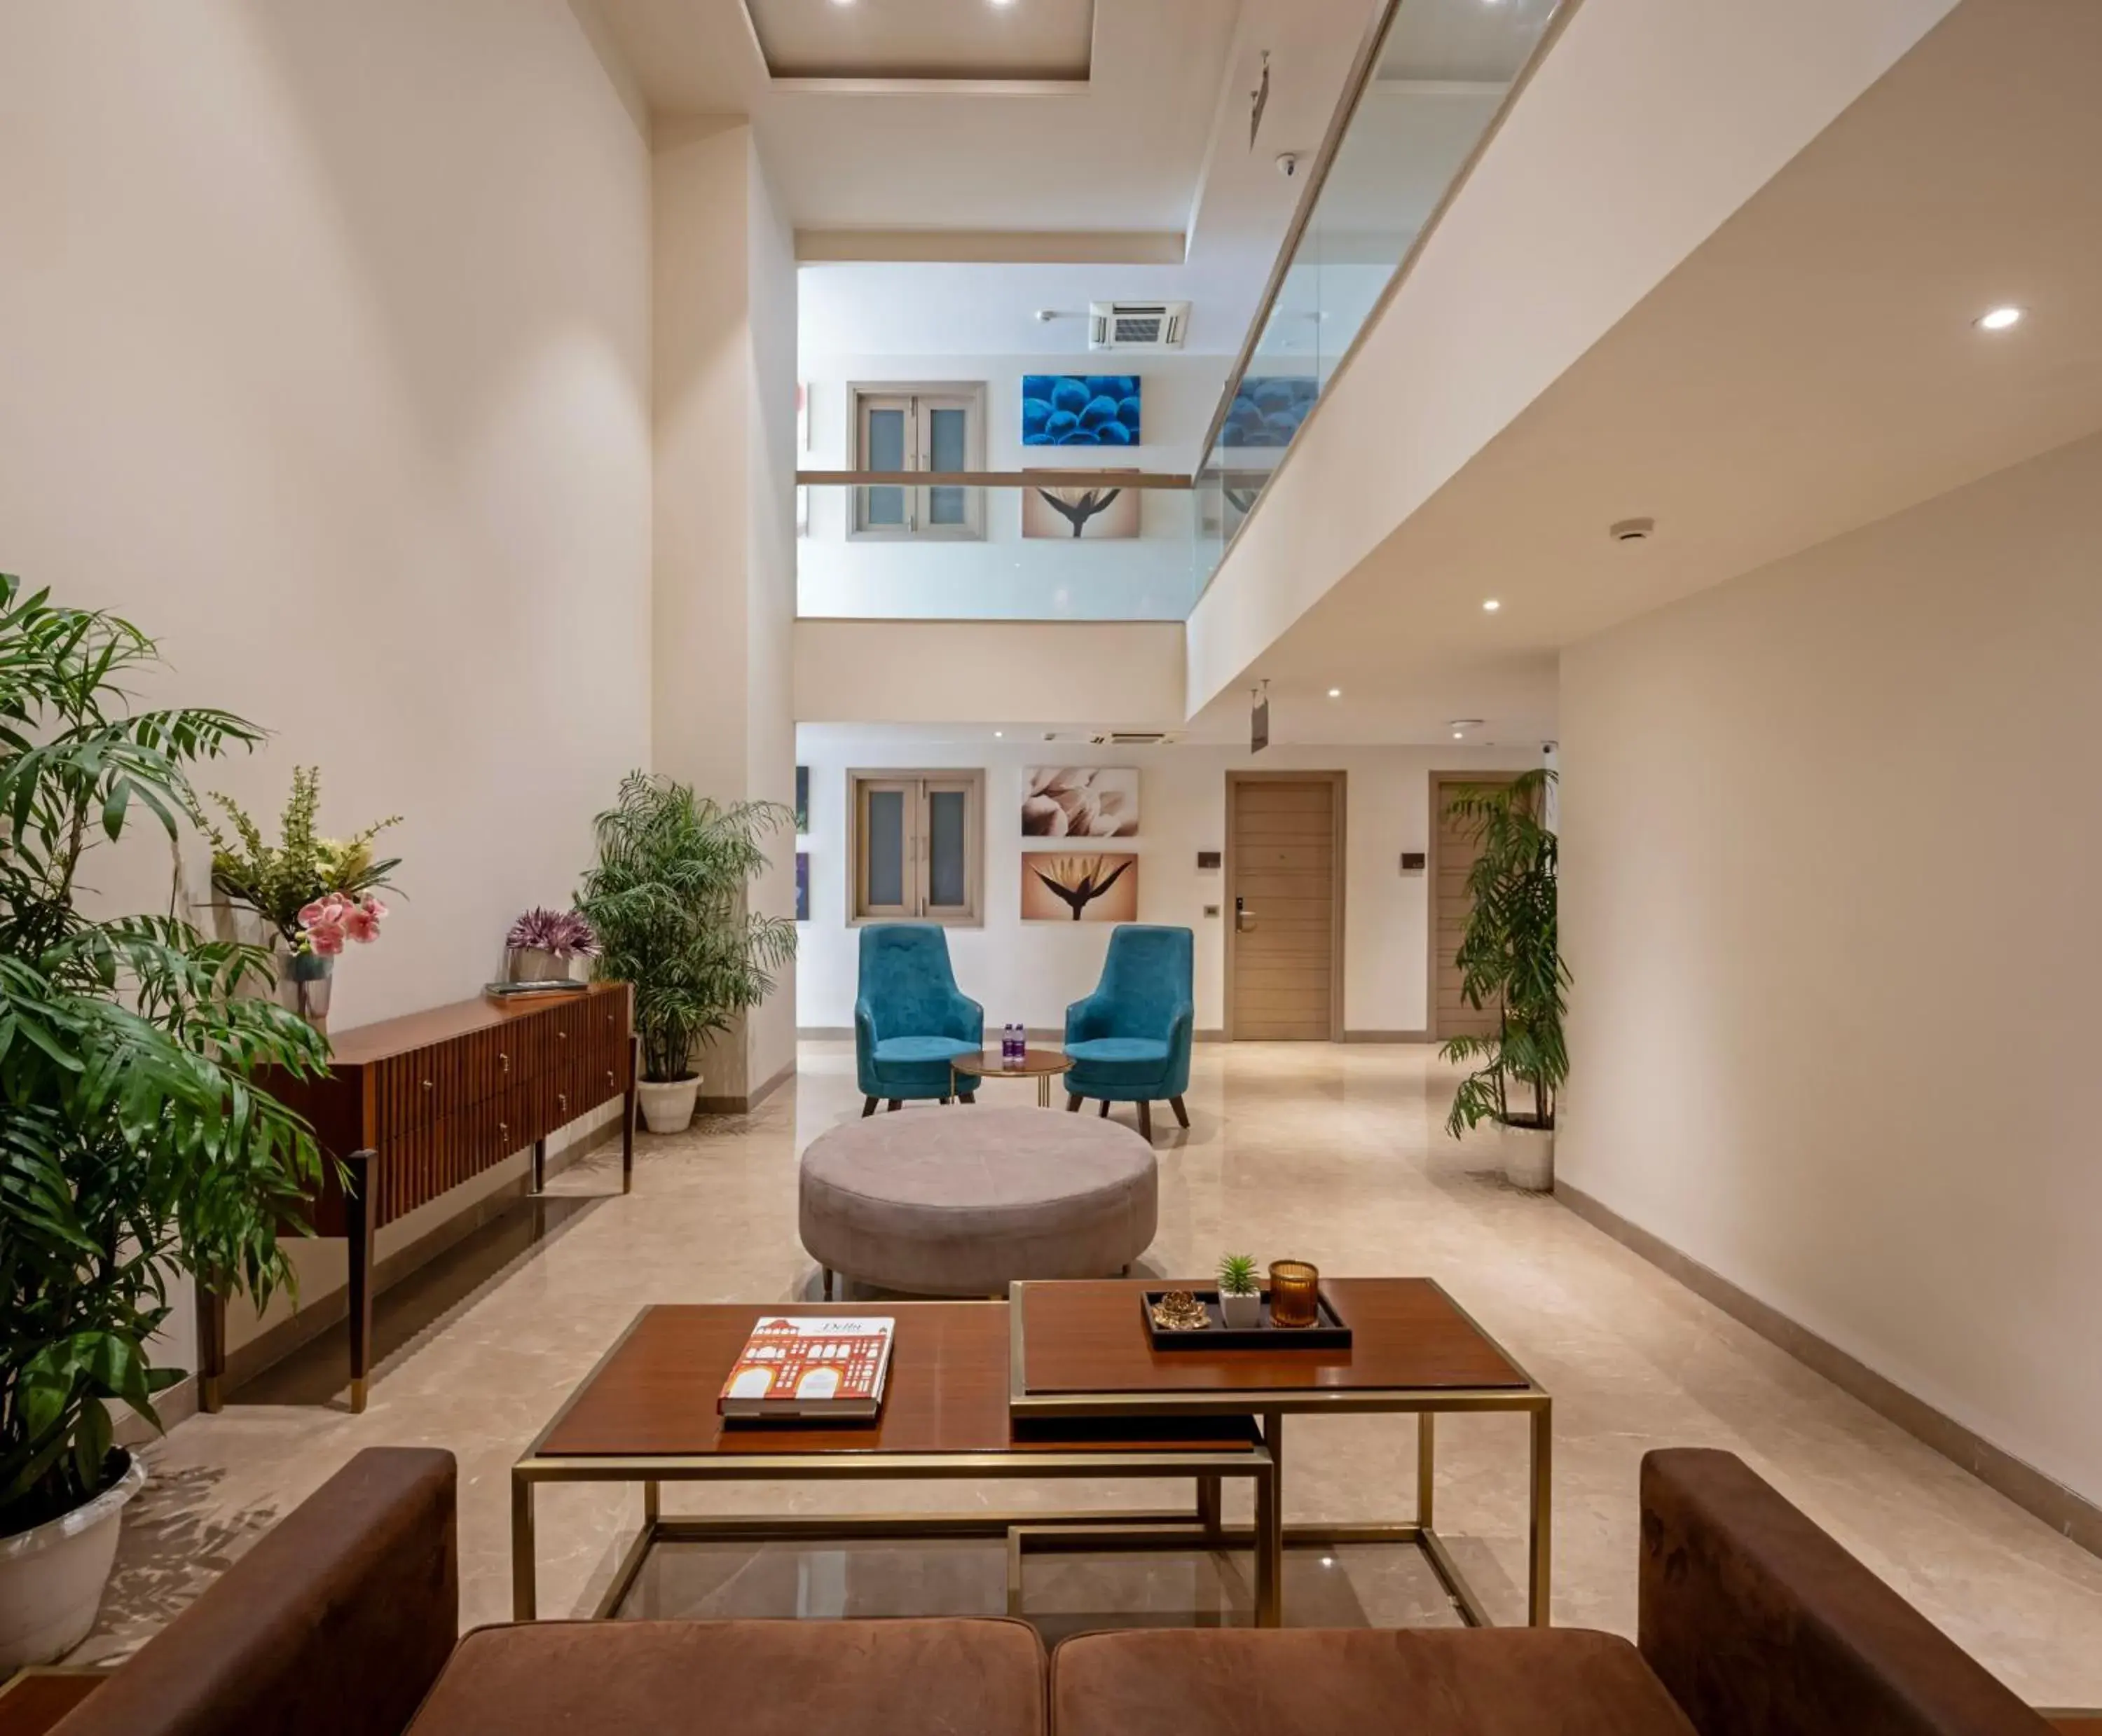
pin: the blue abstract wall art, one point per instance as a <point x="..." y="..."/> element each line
<point x="1268" y="409"/>
<point x="1080" y="409"/>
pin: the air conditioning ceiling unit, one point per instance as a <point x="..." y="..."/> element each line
<point x="1137" y="324"/>
<point x="1134" y="738"/>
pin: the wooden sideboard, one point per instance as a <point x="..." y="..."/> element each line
<point x="414" y="1107"/>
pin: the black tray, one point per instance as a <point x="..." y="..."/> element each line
<point x="1330" y="1332"/>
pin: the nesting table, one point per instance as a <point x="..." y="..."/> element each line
<point x="1059" y="1381"/>
<point x="646" y="1416"/>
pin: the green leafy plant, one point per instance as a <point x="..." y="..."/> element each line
<point x="1508" y="957"/>
<point x="134" y="1141"/>
<point x="668" y="899"/>
<point x="282" y="881"/>
<point x="1237" y="1275"/>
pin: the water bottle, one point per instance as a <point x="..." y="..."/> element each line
<point x="1007" y="1045"/>
<point x="1021" y="1045"/>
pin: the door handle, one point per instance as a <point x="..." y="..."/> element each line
<point x="1244" y="917"/>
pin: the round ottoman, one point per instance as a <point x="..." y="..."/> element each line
<point x="960" y="1202"/>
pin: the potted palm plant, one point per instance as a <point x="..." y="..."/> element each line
<point x="668" y="900"/>
<point x="1508" y="960"/>
<point x="135" y="1143"/>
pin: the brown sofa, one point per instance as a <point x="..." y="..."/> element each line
<point x="342" y="1622"/>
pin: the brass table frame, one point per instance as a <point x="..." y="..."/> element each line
<point x="1070" y="1531"/>
<point x="1272" y="1406"/>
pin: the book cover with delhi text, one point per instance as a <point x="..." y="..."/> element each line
<point x="817" y="1366"/>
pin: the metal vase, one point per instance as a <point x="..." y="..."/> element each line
<point x="304" y="980"/>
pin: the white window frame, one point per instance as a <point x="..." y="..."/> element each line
<point x="917" y="787"/>
<point x="918" y="400"/>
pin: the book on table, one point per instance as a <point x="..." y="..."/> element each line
<point x="818" y="1367"/>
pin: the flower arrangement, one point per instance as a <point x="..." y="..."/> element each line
<point x="330" y="920"/>
<point x="566" y="934"/>
<point x="317" y="892"/>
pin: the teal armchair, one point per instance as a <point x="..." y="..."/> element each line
<point x="911" y="1020"/>
<point x="1130" y="1040"/>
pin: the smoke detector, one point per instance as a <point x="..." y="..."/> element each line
<point x="1137" y="324"/>
<point x="1632" y="531"/>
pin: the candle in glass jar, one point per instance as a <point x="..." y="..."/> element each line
<point x="1295" y="1294"/>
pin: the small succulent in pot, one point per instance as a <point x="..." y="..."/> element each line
<point x="543" y="943"/>
<point x="1240" y="1296"/>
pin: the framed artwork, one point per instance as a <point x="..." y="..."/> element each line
<point x="802" y="885"/>
<point x="1079" y="801"/>
<point x="1081" y="409"/>
<point x="802" y="798"/>
<point x="1089" y="887"/>
<point x="1100" y="513"/>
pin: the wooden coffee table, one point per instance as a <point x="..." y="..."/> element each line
<point x="646" y="1415"/>
<point x="1081" y="1350"/>
<point x="1039" y="1064"/>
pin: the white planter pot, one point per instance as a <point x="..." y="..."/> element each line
<point x="53" y="1575"/>
<point x="1529" y="1158"/>
<point x="1241" y="1311"/>
<point x="668" y="1108"/>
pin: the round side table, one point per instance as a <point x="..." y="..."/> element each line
<point x="1040" y="1064"/>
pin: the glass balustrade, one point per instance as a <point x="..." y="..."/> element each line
<point x="1088" y="546"/>
<point x="1432" y="78"/>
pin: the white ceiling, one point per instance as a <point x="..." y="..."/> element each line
<point x="956" y="39"/>
<point x="1154" y="144"/>
<point x="1127" y="150"/>
<point x="1810" y="368"/>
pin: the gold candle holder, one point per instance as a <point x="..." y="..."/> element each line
<point x="1295" y="1294"/>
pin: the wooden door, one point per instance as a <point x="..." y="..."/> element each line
<point x="1285" y="907"/>
<point x="1452" y="854"/>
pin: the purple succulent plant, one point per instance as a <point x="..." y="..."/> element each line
<point x="565" y="933"/>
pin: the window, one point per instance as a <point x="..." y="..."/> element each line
<point x="938" y="428"/>
<point x="914" y="844"/>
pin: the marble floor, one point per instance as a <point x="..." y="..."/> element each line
<point x="1335" y="1155"/>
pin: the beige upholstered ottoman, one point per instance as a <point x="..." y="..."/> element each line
<point x="962" y="1201"/>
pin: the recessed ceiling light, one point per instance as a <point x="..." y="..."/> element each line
<point x="1335" y="692"/>
<point x="996" y="734"/>
<point x="1491" y="604"/>
<point x="1999" y="319"/>
<point x="1457" y="735"/>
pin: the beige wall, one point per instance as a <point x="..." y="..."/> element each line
<point x="725" y="565"/>
<point x="324" y="333"/>
<point x="1127" y="674"/>
<point x="1030" y="971"/>
<point x="1831" y="834"/>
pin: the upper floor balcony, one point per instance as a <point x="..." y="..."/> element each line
<point x="919" y="499"/>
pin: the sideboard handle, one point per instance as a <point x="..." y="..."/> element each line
<point x="427" y="1085"/>
<point x="505" y="1059"/>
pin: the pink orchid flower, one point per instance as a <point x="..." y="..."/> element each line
<point x="326" y="938"/>
<point x="360" y="925"/>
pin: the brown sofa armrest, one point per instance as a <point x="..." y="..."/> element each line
<point x="1760" y="1625"/>
<point x="335" y="1624"/>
